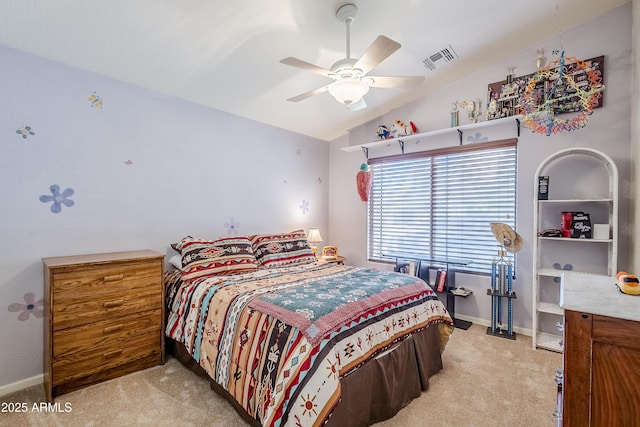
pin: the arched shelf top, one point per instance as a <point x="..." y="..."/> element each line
<point x="597" y="154"/>
<point x="604" y="158"/>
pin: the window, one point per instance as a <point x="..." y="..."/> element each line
<point x="439" y="203"/>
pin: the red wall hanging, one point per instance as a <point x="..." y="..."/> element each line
<point x="363" y="179"/>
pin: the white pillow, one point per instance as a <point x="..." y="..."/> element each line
<point x="176" y="261"/>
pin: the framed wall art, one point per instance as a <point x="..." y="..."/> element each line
<point x="504" y="97"/>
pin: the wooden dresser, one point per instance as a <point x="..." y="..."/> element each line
<point x="601" y="353"/>
<point x="103" y="317"/>
<point x="601" y="371"/>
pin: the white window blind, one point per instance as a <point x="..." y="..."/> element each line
<point x="439" y="203"/>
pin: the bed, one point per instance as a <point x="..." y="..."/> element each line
<point x="290" y="340"/>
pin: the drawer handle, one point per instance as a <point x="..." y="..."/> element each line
<point x="112" y="304"/>
<point x="114" y="278"/>
<point x="114" y="328"/>
<point x="113" y="353"/>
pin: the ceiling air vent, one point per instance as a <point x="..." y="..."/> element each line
<point x="441" y="57"/>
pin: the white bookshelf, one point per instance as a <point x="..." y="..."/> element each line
<point x="580" y="180"/>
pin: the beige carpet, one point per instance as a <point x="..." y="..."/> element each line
<point x="486" y="381"/>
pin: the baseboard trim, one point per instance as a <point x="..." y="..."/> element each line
<point x="21" y="385"/>
<point x="485" y="322"/>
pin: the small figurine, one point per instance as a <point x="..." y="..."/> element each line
<point x="492" y="110"/>
<point x="400" y="129"/>
<point x="473" y="108"/>
<point x="454" y="114"/>
<point x="627" y="283"/>
<point x="383" y="132"/>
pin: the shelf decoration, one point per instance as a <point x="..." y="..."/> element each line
<point x="363" y="181"/>
<point x="383" y="132"/>
<point x="566" y="85"/>
<point x="399" y="128"/>
<point x="455" y="116"/>
<point x="502" y="280"/>
<point x="503" y="97"/>
<point x="473" y="108"/>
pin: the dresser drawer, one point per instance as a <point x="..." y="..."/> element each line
<point x="88" y="362"/>
<point x="103" y="307"/>
<point x="74" y="285"/>
<point x="107" y="332"/>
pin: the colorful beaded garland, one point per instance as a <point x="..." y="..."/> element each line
<point x="539" y="114"/>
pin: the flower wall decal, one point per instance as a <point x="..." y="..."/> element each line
<point x="304" y="206"/>
<point x="25" y="131"/>
<point x="232" y="227"/>
<point x="30" y="306"/>
<point x="477" y="138"/>
<point x="58" y="198"/>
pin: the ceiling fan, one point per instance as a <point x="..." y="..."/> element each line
<point x="351" y="81"/>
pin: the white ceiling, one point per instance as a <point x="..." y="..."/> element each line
<point x="225" y="53"/>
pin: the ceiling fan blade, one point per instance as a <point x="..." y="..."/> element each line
<point x="298" y="63"/>
<point x="395" y="81"/>
<point x="309" y="94"/>
<point x="379" y="50"/>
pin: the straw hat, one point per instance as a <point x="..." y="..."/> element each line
<point x="505" y="235"/>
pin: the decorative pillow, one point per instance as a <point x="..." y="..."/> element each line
<point x="178" y="246"/>
<point x="224" y="256"/>
<point x="282" y="250"/>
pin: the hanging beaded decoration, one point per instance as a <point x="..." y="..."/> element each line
<point x="540" y="105"/>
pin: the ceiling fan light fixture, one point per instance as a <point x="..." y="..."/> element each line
<point x="348" y="91"/>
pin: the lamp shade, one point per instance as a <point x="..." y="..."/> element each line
<point x="314" y="235"/>
<point x="348" y="90"/>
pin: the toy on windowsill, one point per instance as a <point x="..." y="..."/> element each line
<point x="627" y="283"/>
<point x="383" y="132"/>
<point x="400" y="129"/>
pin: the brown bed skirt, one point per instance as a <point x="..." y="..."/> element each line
<point x="376" y="391"/>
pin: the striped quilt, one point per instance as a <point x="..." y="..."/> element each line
<point x="279" y="340"/>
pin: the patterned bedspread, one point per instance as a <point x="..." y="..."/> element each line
<point x="279" y="340"/>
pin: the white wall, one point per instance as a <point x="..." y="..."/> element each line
<point x="608" y="130"/>
<point x="635" y="138"/>
<point x="146" y="170"/>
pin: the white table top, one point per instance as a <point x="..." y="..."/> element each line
<point x="597" y="294"/>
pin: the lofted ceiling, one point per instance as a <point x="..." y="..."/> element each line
<point x="225" y="54"/>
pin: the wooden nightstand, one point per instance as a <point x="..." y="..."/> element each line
<point x="337" y="260"/>
<point x="104" y="316"/>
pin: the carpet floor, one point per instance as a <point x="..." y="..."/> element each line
<point x="486" y="381"/>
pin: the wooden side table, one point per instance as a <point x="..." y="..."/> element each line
<point x="337" y="260"/>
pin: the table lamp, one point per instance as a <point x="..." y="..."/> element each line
<point x="314" y="237"/>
